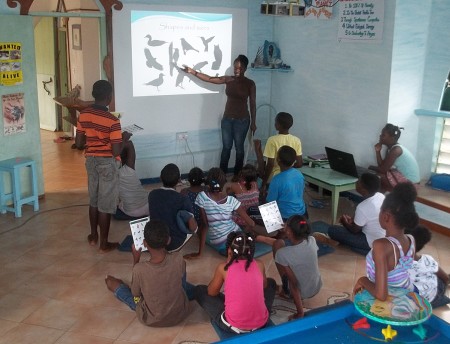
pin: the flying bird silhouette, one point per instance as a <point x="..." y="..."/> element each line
<point x="206" y="41"/>
<point x="154" y="42"/>
<point x="151" y="61"/>
<point x="186" y="46"/>
<point x="218" y="58"/>
<point x="200" y="65"/>
<point x="156" y="82"/>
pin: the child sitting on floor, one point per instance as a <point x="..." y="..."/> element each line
<point x="297" y="262"/>
<point x="156" y="292"/>
<point x="388" y="262"/>
<point x="428" y="278"/>
<point x="175" y="209"/>
<point x="196" y="180"/>
<point x="217" y="209"/>
<point x="247" y="296"/>
<point x="287" y="186"/>
<point x="360" y="232"/>
<point x="245" y="190"/>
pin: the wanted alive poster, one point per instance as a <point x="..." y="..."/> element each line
<point x="11" y="64"/>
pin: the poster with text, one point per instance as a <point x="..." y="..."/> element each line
<point x="361" y="21"/>
<point x="13" y="113"/>
<point x="11" y="64"/>
<point x="319" y="9"/>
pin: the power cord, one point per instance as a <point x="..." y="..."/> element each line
<point x="40" y="213"/>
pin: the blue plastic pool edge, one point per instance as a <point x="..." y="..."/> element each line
<point x="315" y="318"/>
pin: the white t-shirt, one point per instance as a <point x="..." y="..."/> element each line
<point x="366" y="216"/>
<point x="423" y="276"/>
<point x="133" y="196"/>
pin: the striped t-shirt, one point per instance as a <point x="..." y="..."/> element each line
<point x="219" y="216"/>
<point x="399" y="276"/>
<point x="102" y="129"/>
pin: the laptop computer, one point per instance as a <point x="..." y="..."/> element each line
<point x="344" y="162"/>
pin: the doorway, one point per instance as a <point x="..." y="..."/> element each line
<point x="60" y="66"/>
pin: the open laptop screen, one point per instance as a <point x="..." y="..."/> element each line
<point x="341" y="161"/>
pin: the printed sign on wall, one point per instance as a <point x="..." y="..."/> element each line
<point x="11" y="64"/>
<point x="361" y="20"/>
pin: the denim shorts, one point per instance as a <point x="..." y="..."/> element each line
<point x="103" y="183"/>
<point x="123" y="293"/>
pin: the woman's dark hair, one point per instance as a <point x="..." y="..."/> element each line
<point x="249" y="174"/>
<point x="242" y="246"/>
<point x="299" y="226"/>
<point x="421" y="234"/>
<point x="216" y="179"/>
<point x="196" y="176"/>
<point x="242" y="59"/>
<point x="101" y="90"/>
<point x="400" y="203"/>
<point x="393" y="130"/>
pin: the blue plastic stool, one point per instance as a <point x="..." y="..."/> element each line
<point x="13" y="166"/>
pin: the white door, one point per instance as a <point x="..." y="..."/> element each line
<point x="45" y="70"/>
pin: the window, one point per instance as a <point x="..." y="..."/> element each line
<point x="443" y="162"/>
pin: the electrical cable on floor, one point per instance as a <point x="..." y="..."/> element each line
<point x="40" y="213"/>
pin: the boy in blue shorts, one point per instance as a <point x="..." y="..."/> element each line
<point x="157" y="291"/>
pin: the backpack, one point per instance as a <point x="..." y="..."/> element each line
<point x="440" y="181"/>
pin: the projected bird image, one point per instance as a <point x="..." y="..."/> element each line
<point x="156" y="82"/>
<point x="206" y="42"/>
<point x="163" y="42"/>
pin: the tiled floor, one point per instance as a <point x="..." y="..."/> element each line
<point x="52" y="282"/>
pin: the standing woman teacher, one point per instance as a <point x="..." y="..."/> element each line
<point x="237" y="118"/>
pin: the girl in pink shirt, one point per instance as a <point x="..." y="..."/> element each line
<point x="248" y="295"/>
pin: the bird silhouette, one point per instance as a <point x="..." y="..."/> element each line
<point x="154" y="42"/>
<point x="156" y="82"/>
<point x="176" y="55"/>
<point x="200" y="65"/>
<point x="171" y="64"/>
<point x="218" y="58"/>
<point x="206" y="41"/>
<point x="180" y="77"/>
<point x="151" y="61"/>
<point x="186" y="46"/>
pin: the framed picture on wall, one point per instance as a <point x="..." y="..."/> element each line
<point x="76" y="36"/>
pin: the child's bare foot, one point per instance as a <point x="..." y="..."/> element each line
<point x="325" y="239"/>
<point x="109" y="247"/>
<point x="112" y="283"/>
<point x="191" y="256"/>
<point x="92" y="239"/>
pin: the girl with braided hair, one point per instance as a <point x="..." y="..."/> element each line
<point x="297" y="263"/>
<point x="216" y="209"/>
<point x="398" y="165"/>
<point x="388" y="262"/>
<point x="246" y="301"/>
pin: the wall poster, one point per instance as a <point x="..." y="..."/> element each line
<point x="11" y="64"/>
<point x="13" y="113"/>
<point x="361" y="20"/>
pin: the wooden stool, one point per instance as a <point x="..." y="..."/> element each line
<point x="13" y="166"/>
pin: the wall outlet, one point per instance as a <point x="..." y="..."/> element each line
<point x="182" y="136"/>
